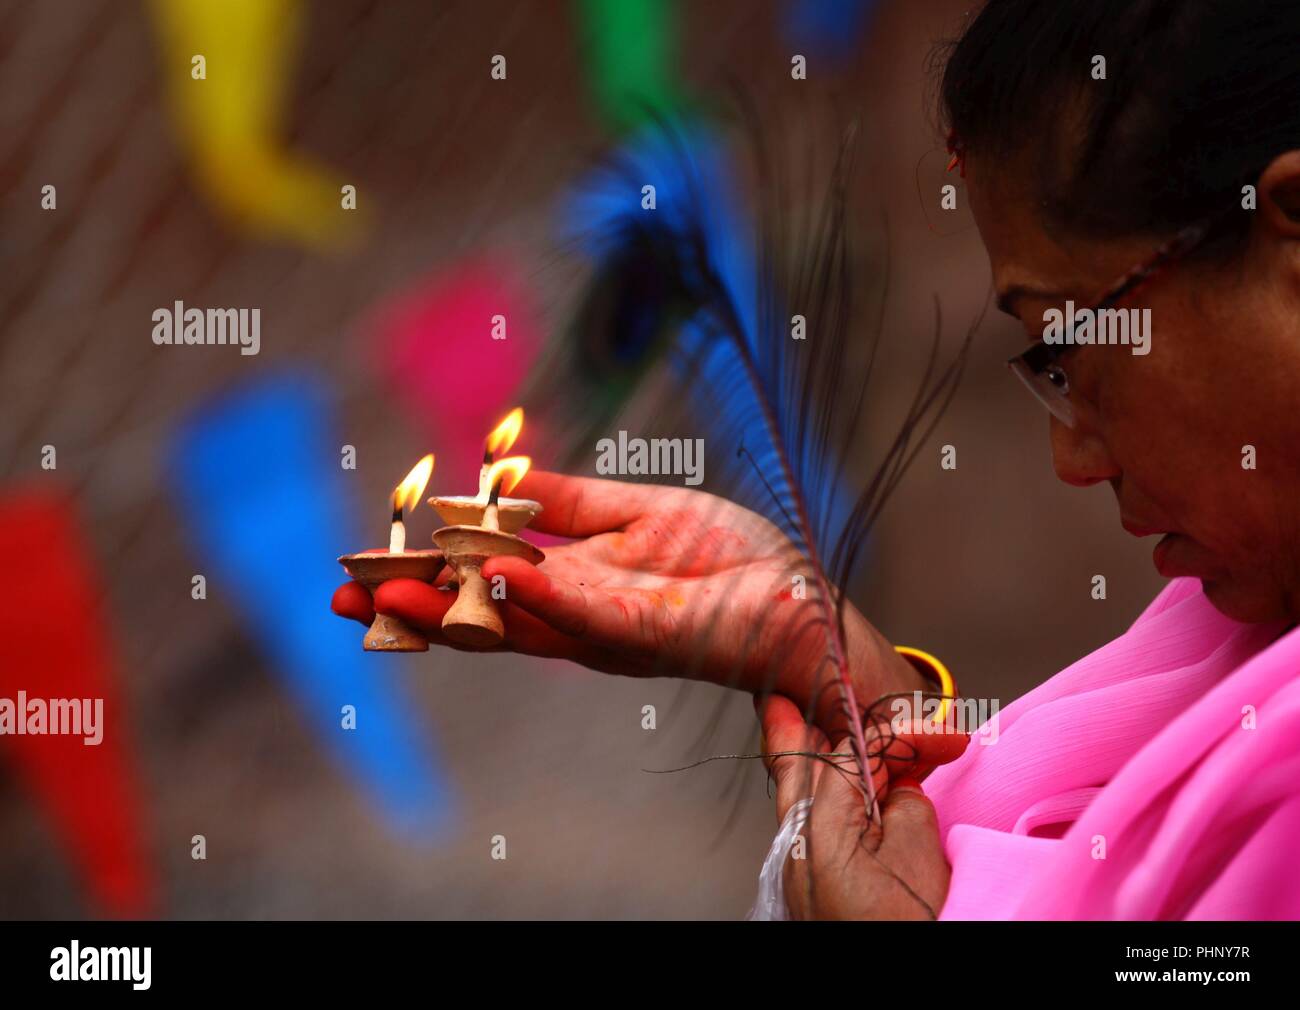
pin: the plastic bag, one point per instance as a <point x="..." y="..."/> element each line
<point x="770" y="904"/>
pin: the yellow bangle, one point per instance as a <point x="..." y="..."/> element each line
<point x="940" y="674"/>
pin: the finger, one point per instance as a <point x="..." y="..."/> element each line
<point x="585" y="506"/>
<point x="633" y="620"/>
<point x="423" y="607"/>
<point x="784" y="729"/>
<point x="531" y="636"/>
<point x="416" y="603"/>
<point x="915" y="747"/>
<point x="352" y="600"/>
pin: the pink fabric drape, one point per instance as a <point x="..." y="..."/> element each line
<point x="1157" y="778"/>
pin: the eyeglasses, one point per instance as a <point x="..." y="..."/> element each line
<point x="1040" y="368"/>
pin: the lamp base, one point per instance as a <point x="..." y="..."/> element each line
<point x="389" y="634"/>
<point x="474" y="619"/>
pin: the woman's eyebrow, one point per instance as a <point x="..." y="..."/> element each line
<point x="1007" y="299"/>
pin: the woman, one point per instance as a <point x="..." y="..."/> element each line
<point x="1155" y="778"/>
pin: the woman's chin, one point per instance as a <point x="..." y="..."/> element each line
<point x="1246" y="602"/>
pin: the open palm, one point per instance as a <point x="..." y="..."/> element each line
<point x="661" y="581"/>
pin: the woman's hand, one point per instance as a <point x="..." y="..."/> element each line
<point x="852" y="868"/>
<point x="662" y="581"/>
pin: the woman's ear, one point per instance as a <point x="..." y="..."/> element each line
<point x="1279" y="196"/>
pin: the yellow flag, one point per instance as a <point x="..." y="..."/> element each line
<point x="227" y="68"/>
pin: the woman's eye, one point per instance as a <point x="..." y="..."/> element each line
<point x="1057" y="377"/>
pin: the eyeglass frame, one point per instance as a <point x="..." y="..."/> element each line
<point x="1042" y="357"/>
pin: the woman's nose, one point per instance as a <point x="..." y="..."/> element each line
<point x="1080" y="455"/>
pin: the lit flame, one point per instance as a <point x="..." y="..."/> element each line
<point x="407" y="494"/>
<point x="504" y="434"/>
<point x="510" y="471"/>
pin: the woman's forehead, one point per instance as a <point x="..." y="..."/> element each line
<point x="1024" y="257"/>
<point x="1030" y="260"/>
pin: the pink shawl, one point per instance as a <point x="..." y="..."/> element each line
<point x="1157" y="778"/>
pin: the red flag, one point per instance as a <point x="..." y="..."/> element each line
<point x="55" y="651"/>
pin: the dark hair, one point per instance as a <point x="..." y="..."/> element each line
<point x="1199" y="97"/>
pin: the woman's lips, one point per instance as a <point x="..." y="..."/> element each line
<point x="1175" y="555"/>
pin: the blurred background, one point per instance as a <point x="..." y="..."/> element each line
<point x="222" y="704"/>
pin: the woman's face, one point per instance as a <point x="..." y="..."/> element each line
<point x="1200" y="437"/>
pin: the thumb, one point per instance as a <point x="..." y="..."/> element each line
<point x="907" y="813"/>
<point x="839" y="813"/>
<point x="911" y="844"/>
